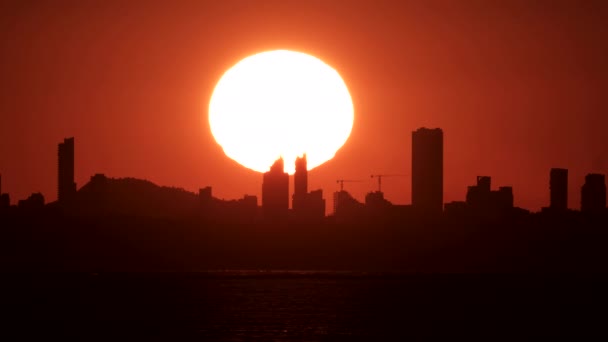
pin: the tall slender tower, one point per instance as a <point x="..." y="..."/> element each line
<point x="66" y="188"/>
<point x="558" y="185"/>
<point x="427" y="170"/>
<point x="300" y="179"/>
<point x="275" y="192"/>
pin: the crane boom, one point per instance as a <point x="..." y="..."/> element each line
<point x="386" y="175"/>
<point x="341" y="182"/>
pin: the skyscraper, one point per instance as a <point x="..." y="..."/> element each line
<point x="300" y="191"/>
<point x="66" y="188"/>
<point x="593" y="193"/>
<point x="306" y="205"/>
<point x="558" y="185"/>
<point x="275" y="192"/>
<point x="427" y="170"/>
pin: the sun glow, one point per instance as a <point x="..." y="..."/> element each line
<point x="280" y="104"/>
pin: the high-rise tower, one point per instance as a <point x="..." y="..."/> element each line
<point x="300" y="179"/>
<point x="275" y="192"/>
<point x="427" y="170"/>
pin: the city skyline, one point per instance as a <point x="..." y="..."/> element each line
<point x="426" y="176"/>
<point x="317" y="170"/>
<point x="485" y="230"/>
<point x="517" y="87"/>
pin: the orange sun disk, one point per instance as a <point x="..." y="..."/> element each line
<point x="280" y="104"/>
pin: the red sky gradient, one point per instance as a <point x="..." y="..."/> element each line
<point x="517" y="86"/>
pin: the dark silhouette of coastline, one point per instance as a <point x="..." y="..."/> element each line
<point x="129" y="224"/>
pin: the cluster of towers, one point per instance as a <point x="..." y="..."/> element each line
<point x="426" y="178"/>
<point x="593" y="192"/>
<point x="427" y="181"/>
<point x="275" y="194"/>
<point x="427" y="187"/>
<point x="66" y="187"/>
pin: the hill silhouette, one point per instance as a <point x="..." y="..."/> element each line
<point x="133" y="197"/>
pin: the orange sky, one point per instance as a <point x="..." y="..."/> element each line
<point x="517" y="86"/>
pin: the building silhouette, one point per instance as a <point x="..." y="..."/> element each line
<point x="478" y="195"/>
<point x="275" y="192"/>
<point x="306" y="205"/>
<point x="66" y="188"/>
<point x="593" y="194"/>
<point x="457" y="208"/>
<point x="558" y="185"/>
<point x="482" y="198"/>
<point x="34" y="202"/>
<point x="300" y="180"/>
<point x="427" y="170"/>
<point x="346" y="207"/>
<point x="376" y="204"/>
<point x="315" y="205"/>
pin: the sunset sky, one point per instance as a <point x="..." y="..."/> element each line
<point x="517" y="86"/>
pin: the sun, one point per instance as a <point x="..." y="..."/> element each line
<point x="280" y="104"/>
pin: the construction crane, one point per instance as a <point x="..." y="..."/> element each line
<point x="341" y="181"/>
<point x="380" y="179"/>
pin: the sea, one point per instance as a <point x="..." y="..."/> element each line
<point x="280" y="305"/>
